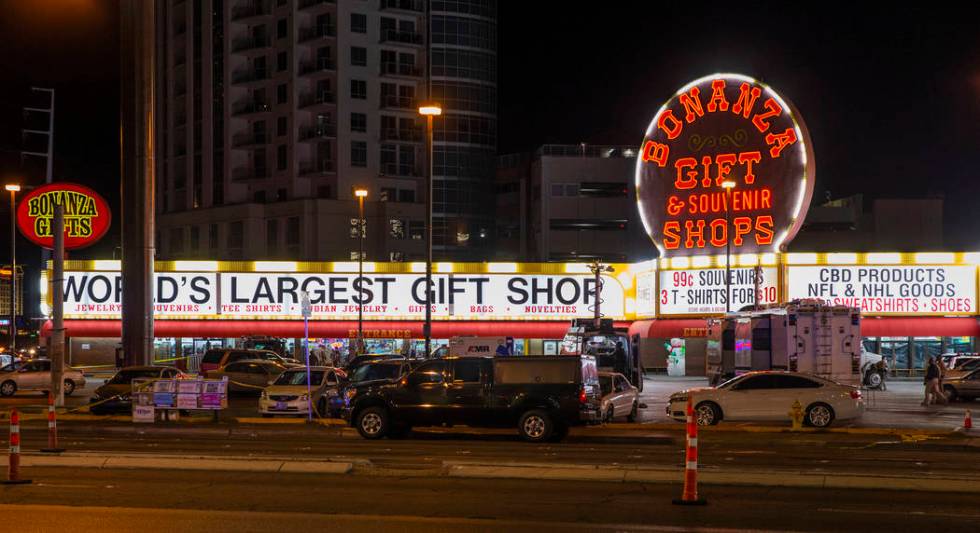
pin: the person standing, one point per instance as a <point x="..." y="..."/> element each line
<point x="931" y="383"/>
<point x="940" y="395"/>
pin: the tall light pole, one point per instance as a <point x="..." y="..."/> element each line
<point x="13" y="188"/>
<point x="361" y="194"/>
<point x="728" y="185"/>
<point x="428" y="110"/>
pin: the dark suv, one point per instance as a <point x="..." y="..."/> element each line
<point x="540" y="396"/>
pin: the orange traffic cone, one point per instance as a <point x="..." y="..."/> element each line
<point x="690" y="494"/>
<point x="13" y="460"/>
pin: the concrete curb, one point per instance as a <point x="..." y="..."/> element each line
<point x="173" y="462"/>
<point x="571" y="472"/>
<point x="734" y="428"/>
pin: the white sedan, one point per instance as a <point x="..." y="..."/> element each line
<point x="769" y="396"/>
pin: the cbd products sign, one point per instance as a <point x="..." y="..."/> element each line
<point x="87" y="215"/>
<point x="719" y="128"/>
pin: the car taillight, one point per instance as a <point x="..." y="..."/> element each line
<point x="582" y="398"/>
<point x="855" y="394"/>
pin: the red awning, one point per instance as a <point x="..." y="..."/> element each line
<point x="669" y="328"/>
<point x="322" y="328"/>
<point x="894" y="326"/>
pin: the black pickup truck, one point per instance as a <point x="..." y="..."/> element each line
<point x="540" y="396"/>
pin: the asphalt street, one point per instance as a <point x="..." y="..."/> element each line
<point x="84" y="500"/>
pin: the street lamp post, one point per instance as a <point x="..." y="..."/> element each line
<point x="361" y="194"/>
<point x="428" y="110"/>
<point x="728" y="185"/>
<point x="13" y="188"/>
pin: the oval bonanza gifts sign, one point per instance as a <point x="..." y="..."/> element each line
<point x="87" y="215"/>
<point x="724" y="127"/>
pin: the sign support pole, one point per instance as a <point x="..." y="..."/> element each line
<point x="307" y="307"/>
<point x="58" y="307"/>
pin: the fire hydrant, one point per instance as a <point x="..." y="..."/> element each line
<point x="796" y="415"/>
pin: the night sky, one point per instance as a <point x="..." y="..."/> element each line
<point x="892" y="100"/>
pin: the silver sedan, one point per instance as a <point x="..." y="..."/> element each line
<point x="35" y="375"/>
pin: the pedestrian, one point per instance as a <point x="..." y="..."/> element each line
<point x="931" y="383"/>
<point x="938" y="384"/>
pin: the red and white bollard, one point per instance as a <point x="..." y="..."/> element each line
<point x="690" y="495"/>
<point x="13" y="460"/>
<point x="967" y="420"/>
<point x="52" y="428"/>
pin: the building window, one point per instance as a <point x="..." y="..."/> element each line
<point x="396" y="257"/>
<point x="282" y="125"/>
<point x="358" y="154"/>
<point x="355" y="256"/>
<point x="195" y="238"/>
<point x="292" y="236"/>
<point x="358" y="23"/>
<point x="396" y="228"/>
<point x="358" y="89"/>
<point x="282" y="93"/>
<point x="282" y="29"/>
<point x="213" y="236"/>
<point x="282" y="61"/>
<point x="353" y="227"/>
<point x="406" y="195"/>
<point x="281" y="195"/>
<point x="603" y="189"/>
<point x="323" y="191"/>
<point x="259" y="197"/>
<point x="416" y="230"/>
<point x="388" y="194"/>
<point x="177" y="241"/>
<point x="282" y="161"/>
<point x="577" y="224"/>
<point x="272" y="236"/>
<point x="358" y="122"/>
<point x="358" y="56"/>
<point x="236" y="238"/>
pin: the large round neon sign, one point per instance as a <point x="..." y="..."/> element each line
<point x="717" y="128"/>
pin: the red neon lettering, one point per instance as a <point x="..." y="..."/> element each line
<point x="691" y="101"/>
<point x="717" y="100"/>
<point x="686" y="180"/>
<point x="766" y="199"/>
<point x="691" y="233"/>
<point x="706" y="163"/>
<point x="725" y="162"/>
<point x="743" y="225"/>
<point x="719" y="238"/>
<point x="674" y="129"/>
<point x="672" y="234"/>
<point x="746" y="99"/>
<point x="674" y="206"/>
<point x="763" y="230"/>
<point x="656" y="152"/>
<point x="782" y="140"/>
<point x="747" y="158"/>
<point x="761" y="120"/>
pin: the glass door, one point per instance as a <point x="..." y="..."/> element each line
<point x="895" y="350"/>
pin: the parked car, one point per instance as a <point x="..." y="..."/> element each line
<point x="540" y="396"/>
<point x="359" y="360"/>
<point x="619" y="397"/>
<point x="953" y="360"/>
<point x="219" y="357"/>
<point x="115" y="395"/>
<point x="368" y="372"/>
<point x="250" y="375"/>
<point x="963" y="367"/>
<point x="288" y="394"/>
<point x="965" y="386"/>
<point x="35" y="375"/>
<point x="769" y="396"/>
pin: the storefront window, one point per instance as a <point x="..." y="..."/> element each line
<point x="870" y="344"/>
<point x="896" y="352"/>
<point x="925" y="347"/>
<point x="958" y="344"/>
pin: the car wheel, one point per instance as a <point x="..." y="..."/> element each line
<point x="874" y="380"/>
<point x="535" y="425"/>
<point x="69" y="387"/>
<point x="372" y="423"/>
<point x="707" y="413"/>
<point x="819" y="415"/>
<point x="951" y="395"/>
<point x="8" y="388"/>
<point x="609" y="414"/>
<point x="633" y="413"/>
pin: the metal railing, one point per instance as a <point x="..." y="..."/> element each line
<point x="395" y="134"/>
<point x="404" y="5"/>
<point x="318" y="131"/>
<point x="407" y="37"/>
<point x="250" y="106"/>
<point x="249" y="75"/>
<point x="400" y="69"/>
<point x="322" y="97"/>
<point x="397" y="102"/>
<point x="249" y="43"/>
<point x="321" y="166"/>
<point x="320" y="65"/>
<point x="318" y="31"/>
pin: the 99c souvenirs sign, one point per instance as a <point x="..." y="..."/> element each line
<point x="703" y="291"/>
<point x="339" y="295"/>
<point x="889" y="290"/>
<point x="87" y="215"/>
<point x="718" y="128"/>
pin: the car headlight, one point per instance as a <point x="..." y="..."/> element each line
<point x="265" y="395"/>
<point x="304" y="397"/>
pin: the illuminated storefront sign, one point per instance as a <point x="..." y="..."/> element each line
<point x="703" y="291"/>
<point x="889" y="290"/>
<point x="87" y="215"/>
<point x="340" y="295"/>
<point x="718" y="128"/>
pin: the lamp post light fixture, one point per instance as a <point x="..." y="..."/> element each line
<point x="728" y="185"/>
<point x="428" y="110"/>
<point x="14" y="189"/>
<point x="361" y="194"/>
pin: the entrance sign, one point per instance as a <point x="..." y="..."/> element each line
<point x="889" y="290"/>
<point x="87" y="215"/>
<point x="717" y="128"/>
<point x="703" y="291"/>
